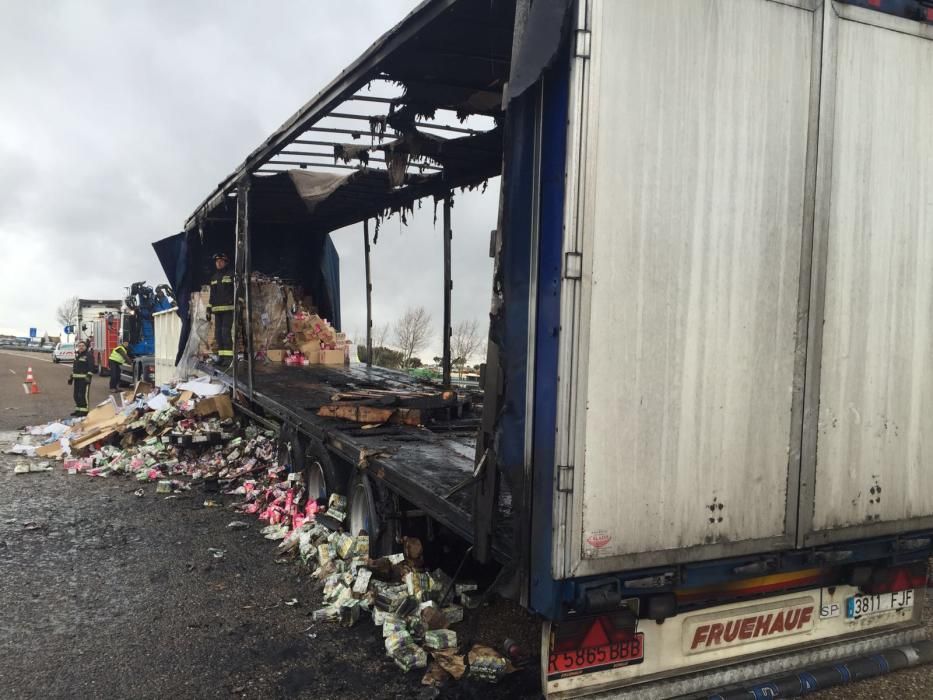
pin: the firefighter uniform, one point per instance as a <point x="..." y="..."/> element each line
<point x="80" y="378"/>
<point x="119" y="356"/>
<point x="220" y="305"/>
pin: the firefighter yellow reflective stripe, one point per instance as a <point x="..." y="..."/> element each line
<point x="226" y="279"/>
<point x="213" y="281"/>
<point x="226" y="307"/>
<point x="80" y="376"/>
<point x="225" y="353"/>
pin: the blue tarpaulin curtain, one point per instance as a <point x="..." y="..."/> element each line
<point x="311" y="260"/>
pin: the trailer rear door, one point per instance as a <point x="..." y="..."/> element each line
<point x="867" y="466"/>
<point x="681" y="359"/>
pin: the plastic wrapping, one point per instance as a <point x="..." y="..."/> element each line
<point x="269" y="301"/>
<point x="201" y="338"/>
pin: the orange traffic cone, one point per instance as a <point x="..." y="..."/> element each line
<point x="29" y="385"/>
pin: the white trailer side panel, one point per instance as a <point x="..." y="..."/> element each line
<point x="692" y="217"/>
<point x="166" y="326"/>
<point x="875" y="442"/>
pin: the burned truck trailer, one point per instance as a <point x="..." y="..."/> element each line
<point x="701" y="452"/>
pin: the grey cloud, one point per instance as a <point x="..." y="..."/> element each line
<point x="117" y="119"/>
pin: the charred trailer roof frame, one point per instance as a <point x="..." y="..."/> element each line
<point x="453" y="56"/>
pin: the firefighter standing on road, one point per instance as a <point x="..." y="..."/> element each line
<point x="80" y="378"/>
<point x="119" y="356"/>
<point x="220" y="305"/>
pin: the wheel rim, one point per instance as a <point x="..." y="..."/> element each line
<point x="361" y="517"/>
<point x="317" y="484"/>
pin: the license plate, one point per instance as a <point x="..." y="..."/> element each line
<point x="862" y="605"/>
<point x="563" y="662"/>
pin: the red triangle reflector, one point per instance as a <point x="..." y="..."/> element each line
<point x="596" y="636"/>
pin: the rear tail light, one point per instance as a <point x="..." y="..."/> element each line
<point x="897" y="578"/>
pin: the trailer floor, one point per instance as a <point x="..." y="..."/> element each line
<point x="423" y="464"/>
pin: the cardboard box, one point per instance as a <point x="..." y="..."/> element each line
<point x="53" y="449"/>
<point x="275" y="355"/>
<point x="312" y="350"/>
<point x="98" y="432"/>
<point x="99" y="415"/>
<point x="332" y="357"/>
<point x="219" y="405"/>
<point x="299" y="325"/>
<point x="144" y="388"/>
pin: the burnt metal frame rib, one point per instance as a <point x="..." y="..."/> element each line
<point x="359" y="73"/>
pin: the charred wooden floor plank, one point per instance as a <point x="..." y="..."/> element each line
<point x="422" y="465"/>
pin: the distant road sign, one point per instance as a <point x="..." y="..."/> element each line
<point x="68" y="330"/>
<point x="32" y="332"/>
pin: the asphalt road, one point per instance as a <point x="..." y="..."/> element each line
<point x="108" y="595"/>
<point x="54" y="399"/>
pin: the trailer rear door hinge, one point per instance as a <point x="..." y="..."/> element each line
<point x="573" y="266"/>
<point x="565" y="478"/>
<point x="583" y="44"/>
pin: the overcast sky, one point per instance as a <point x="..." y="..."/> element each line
<point x="118" y="118"/>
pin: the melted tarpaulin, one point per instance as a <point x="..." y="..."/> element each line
<point x="315" y="187"/>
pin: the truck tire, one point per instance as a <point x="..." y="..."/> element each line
<point x="324" y="473"/>
<point x="370" y="509"/>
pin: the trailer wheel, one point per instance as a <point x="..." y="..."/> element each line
<point x="323" y="473"/>
<point x="370" y="509"/>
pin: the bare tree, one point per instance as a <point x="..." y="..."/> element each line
<point x="381" y="335"/>
<point x="67" y="313"/>
<point x="464" y="343"/>
<point x="412" y="332"/>
<point x="382" y="355"/>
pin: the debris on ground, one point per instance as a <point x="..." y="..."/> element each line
<point x="188" y="435"/>
<point x="31" y="467"/>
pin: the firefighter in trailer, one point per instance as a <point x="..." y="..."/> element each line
<point x="220" y="306"/>
<point x="80" y="378"/>
<point x="119" y="356"/>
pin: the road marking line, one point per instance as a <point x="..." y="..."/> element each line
<point x="12" y="371"/>
<point x="30" y="355"/>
